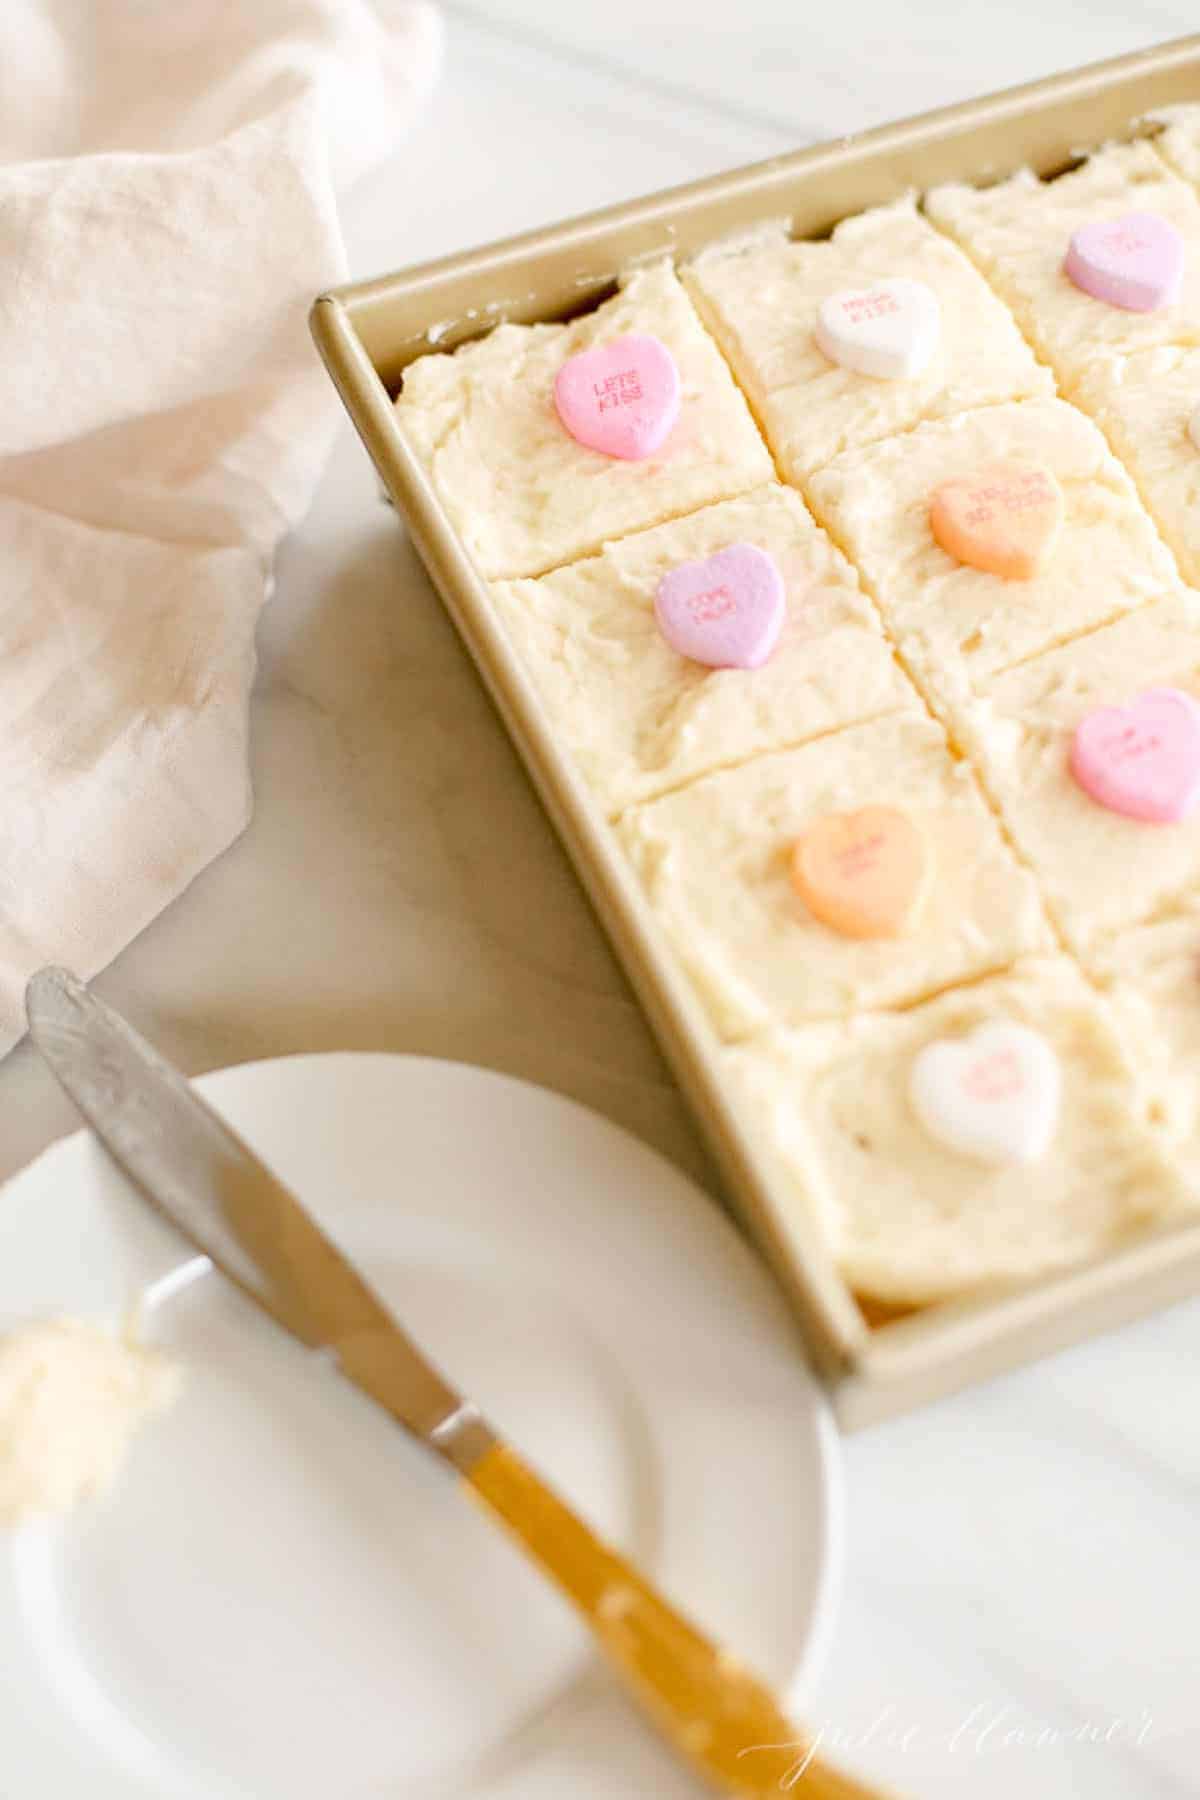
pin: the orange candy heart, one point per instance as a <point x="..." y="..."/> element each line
<point x="864" y="873"/>
<point x="1004" y="519"/>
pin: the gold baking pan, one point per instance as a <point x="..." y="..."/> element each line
<point x="367" y="334"/>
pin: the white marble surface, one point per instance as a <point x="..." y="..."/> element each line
<point x="1023" y="1561"/>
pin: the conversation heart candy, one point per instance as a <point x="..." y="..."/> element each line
<point x="889" y="330"/>
<point x="1193" y="428"/>
<point x="1004" y="519"/>
<point x="621" y="399"/>
<point x="864" y="873"/>
<point x="1143" y="759"/>
<point x="993" y="1096"/>
<point x="1135" y="262"/>
<point x="725" y="610"/>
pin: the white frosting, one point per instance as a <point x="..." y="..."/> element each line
<point x="1146" y="406"/>
<point x="715" y="861"/>
<point x="1179" y="143"/>
<point x="1098" y="869"/>
<point x="72" y="1397"/>
<point x="522" y="494"/>
<point x="639" y="718"/>
<point x="958" y="626"/>
<point x="1151" y="974"/>
<point x="911" y="1219"/>
<point x="1018" y="233"/>
<point x="762" y="305"/>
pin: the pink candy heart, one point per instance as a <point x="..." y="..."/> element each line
<point x="1135" y="262"/>
<point x="621" y="398"/>
<point x="1143" y="759"/>
<point x="726" y="610"/>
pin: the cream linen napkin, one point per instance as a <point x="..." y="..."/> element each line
<point x="167" y="212"/>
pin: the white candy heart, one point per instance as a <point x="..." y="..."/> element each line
<point x="1194" y="428"/>
<point x="889" y="330"/>
<point x="993" y="1096"/>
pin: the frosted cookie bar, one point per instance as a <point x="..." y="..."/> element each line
<point x="1144" y="405"/>
<point x="640" y="717"/>
<point x="1151" y="974"/>
<point x="912" y="1208"/>
<point x="762" y="303"/>
<point x="1179" y="142"/>
<point x="891" y="827"/>
<point x="1020" y="232"/>
<point x="957" y="625"/>
<point x="526" y="495"/>
<point x="1099" y="868"/>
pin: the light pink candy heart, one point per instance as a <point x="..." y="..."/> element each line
<point x="1143" y="759"/>
<point x="621" y="398"/>
<point x="1135" y="262"/>
<point x="725" y="610"/>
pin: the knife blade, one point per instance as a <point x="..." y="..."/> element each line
<point x="184" y="1159"/>
<point x="182" y="1156"/>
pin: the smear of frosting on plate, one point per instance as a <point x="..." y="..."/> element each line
<point x="72" y="1398"/>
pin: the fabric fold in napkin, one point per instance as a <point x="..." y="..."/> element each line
<point x="167" y="212"/>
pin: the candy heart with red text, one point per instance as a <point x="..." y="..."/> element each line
<point x="621" y="399"/>
<point x="1004" y="519"/>
<point x="1135" y="262"/>
<point x="889" y="330"/>
<point x="725" y="610"/>
<point x="992" y="1096"/>
<point x="1143" y="759"/>
<point x="864" y="873"/>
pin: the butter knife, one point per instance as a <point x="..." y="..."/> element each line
<point x="184" y="1159"/>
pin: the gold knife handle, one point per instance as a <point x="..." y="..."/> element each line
<point x="718" y="1716"/>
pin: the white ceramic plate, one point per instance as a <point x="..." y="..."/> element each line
<point x="285" y="1597"/>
